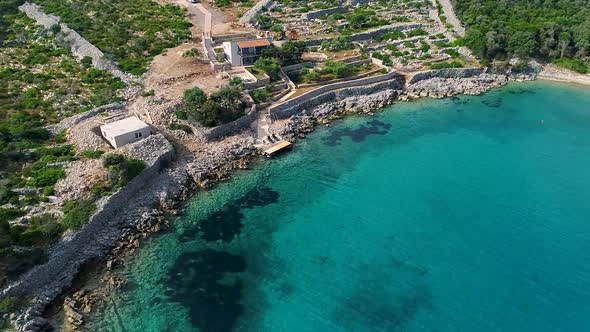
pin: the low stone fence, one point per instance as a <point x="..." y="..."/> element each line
<point x="256" y="82"/>
<point x="325" y="93"/>
<point x="446" y="73"/>
<point x="324" y="12"/>
<point x="369" y="34"/>
<point x="79" y="46"/>
<point x="75" y="119"/>
<point x="232" y="127"/>
<point x="343" y="79"/>
<point x="257" y="9"/>
<point x="297" y="66"/>
<point x="220" y="39"/>
<point x="47" y="281"/>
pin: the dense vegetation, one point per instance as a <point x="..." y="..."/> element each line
<point x="544" y="29"/>
<point x="7" y="7"/>
<point x="223" y="106"/>
<point x="131" y="32"/>
<point x="357" y="20"/>
<point x="274" y="57"/>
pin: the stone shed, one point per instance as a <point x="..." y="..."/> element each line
<point x="125" y="131"/>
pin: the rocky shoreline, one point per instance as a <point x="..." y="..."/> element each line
<point x="183" y="177"/>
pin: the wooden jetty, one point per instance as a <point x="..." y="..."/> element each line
<point x="282" y="145"/>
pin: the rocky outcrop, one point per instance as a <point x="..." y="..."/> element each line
<point x="362" y="103"/>
<point x="446" y="73"/>
<point x="439" y="87"/>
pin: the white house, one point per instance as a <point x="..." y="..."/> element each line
<point x="245" y="53"/>
<point x="125" y="131"/>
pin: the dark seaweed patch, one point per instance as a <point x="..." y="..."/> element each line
<point x="226" y="223"/>
<point x="381" y="303"/>
<point x="207" y="283"/>
<point x="492" y="102"/>
<point x="458" y="101"/>
<point x="521" y="91"/>
<point x="374" y="127"/>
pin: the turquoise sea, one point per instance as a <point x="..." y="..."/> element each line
<point x="462" y="214"/>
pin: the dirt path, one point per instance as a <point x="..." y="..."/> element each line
<point x="449" y="12"/>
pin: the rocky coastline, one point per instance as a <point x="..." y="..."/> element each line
<point x="183" y="177"/>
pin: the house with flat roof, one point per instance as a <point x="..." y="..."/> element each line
<point x="245" y="53"/>
<point x="125" y="131"/>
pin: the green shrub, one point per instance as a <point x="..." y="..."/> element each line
<point x="337" y="44"/>
<point x="47" y="177"/>
<point x="183" y="127"/>
<point x="270" y="66"/>
<point x="77" y="213"/>
<point x="148" y="93"/>
<point x="8" y="304"/>
<point x="193" y="52"/>
<point x="521" y="66"/>
<point x="92" y="154"/>
<point x="180" y="115"/>
<point x="417" y="32"/>
<point x="576" y="65"/>
<point x="453" y="53"/>
<point x="10" y="214"/>
<point x="446" y="64"/>
<point x="223" y="106"/>
<point x="113" y="159"/>
<point x="338" y="69"/>
<point x="261" y="95"/>
<point x="133" y="168"/>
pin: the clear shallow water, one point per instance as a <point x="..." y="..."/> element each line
<point x="465" y="214"/>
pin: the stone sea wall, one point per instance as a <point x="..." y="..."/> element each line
<point x="69" y="38"/>
<point x="233" y="127"/>
<point x="310" y="99"/>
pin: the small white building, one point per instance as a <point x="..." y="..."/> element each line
<point x="125" y="131"/>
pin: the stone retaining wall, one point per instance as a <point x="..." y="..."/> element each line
<point x="446" y="73"/>
<point x="326" y="93"/>
<point x="370" y="34"/>
<point x="252" y="12"/>
<point x="339" y="95"/>
<point x="324" y="12"/>
<point x="297" y="66"/>
<point x="75" y="119"/>
<point x="232" y="127"/>
<point x="69" y="38"/>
